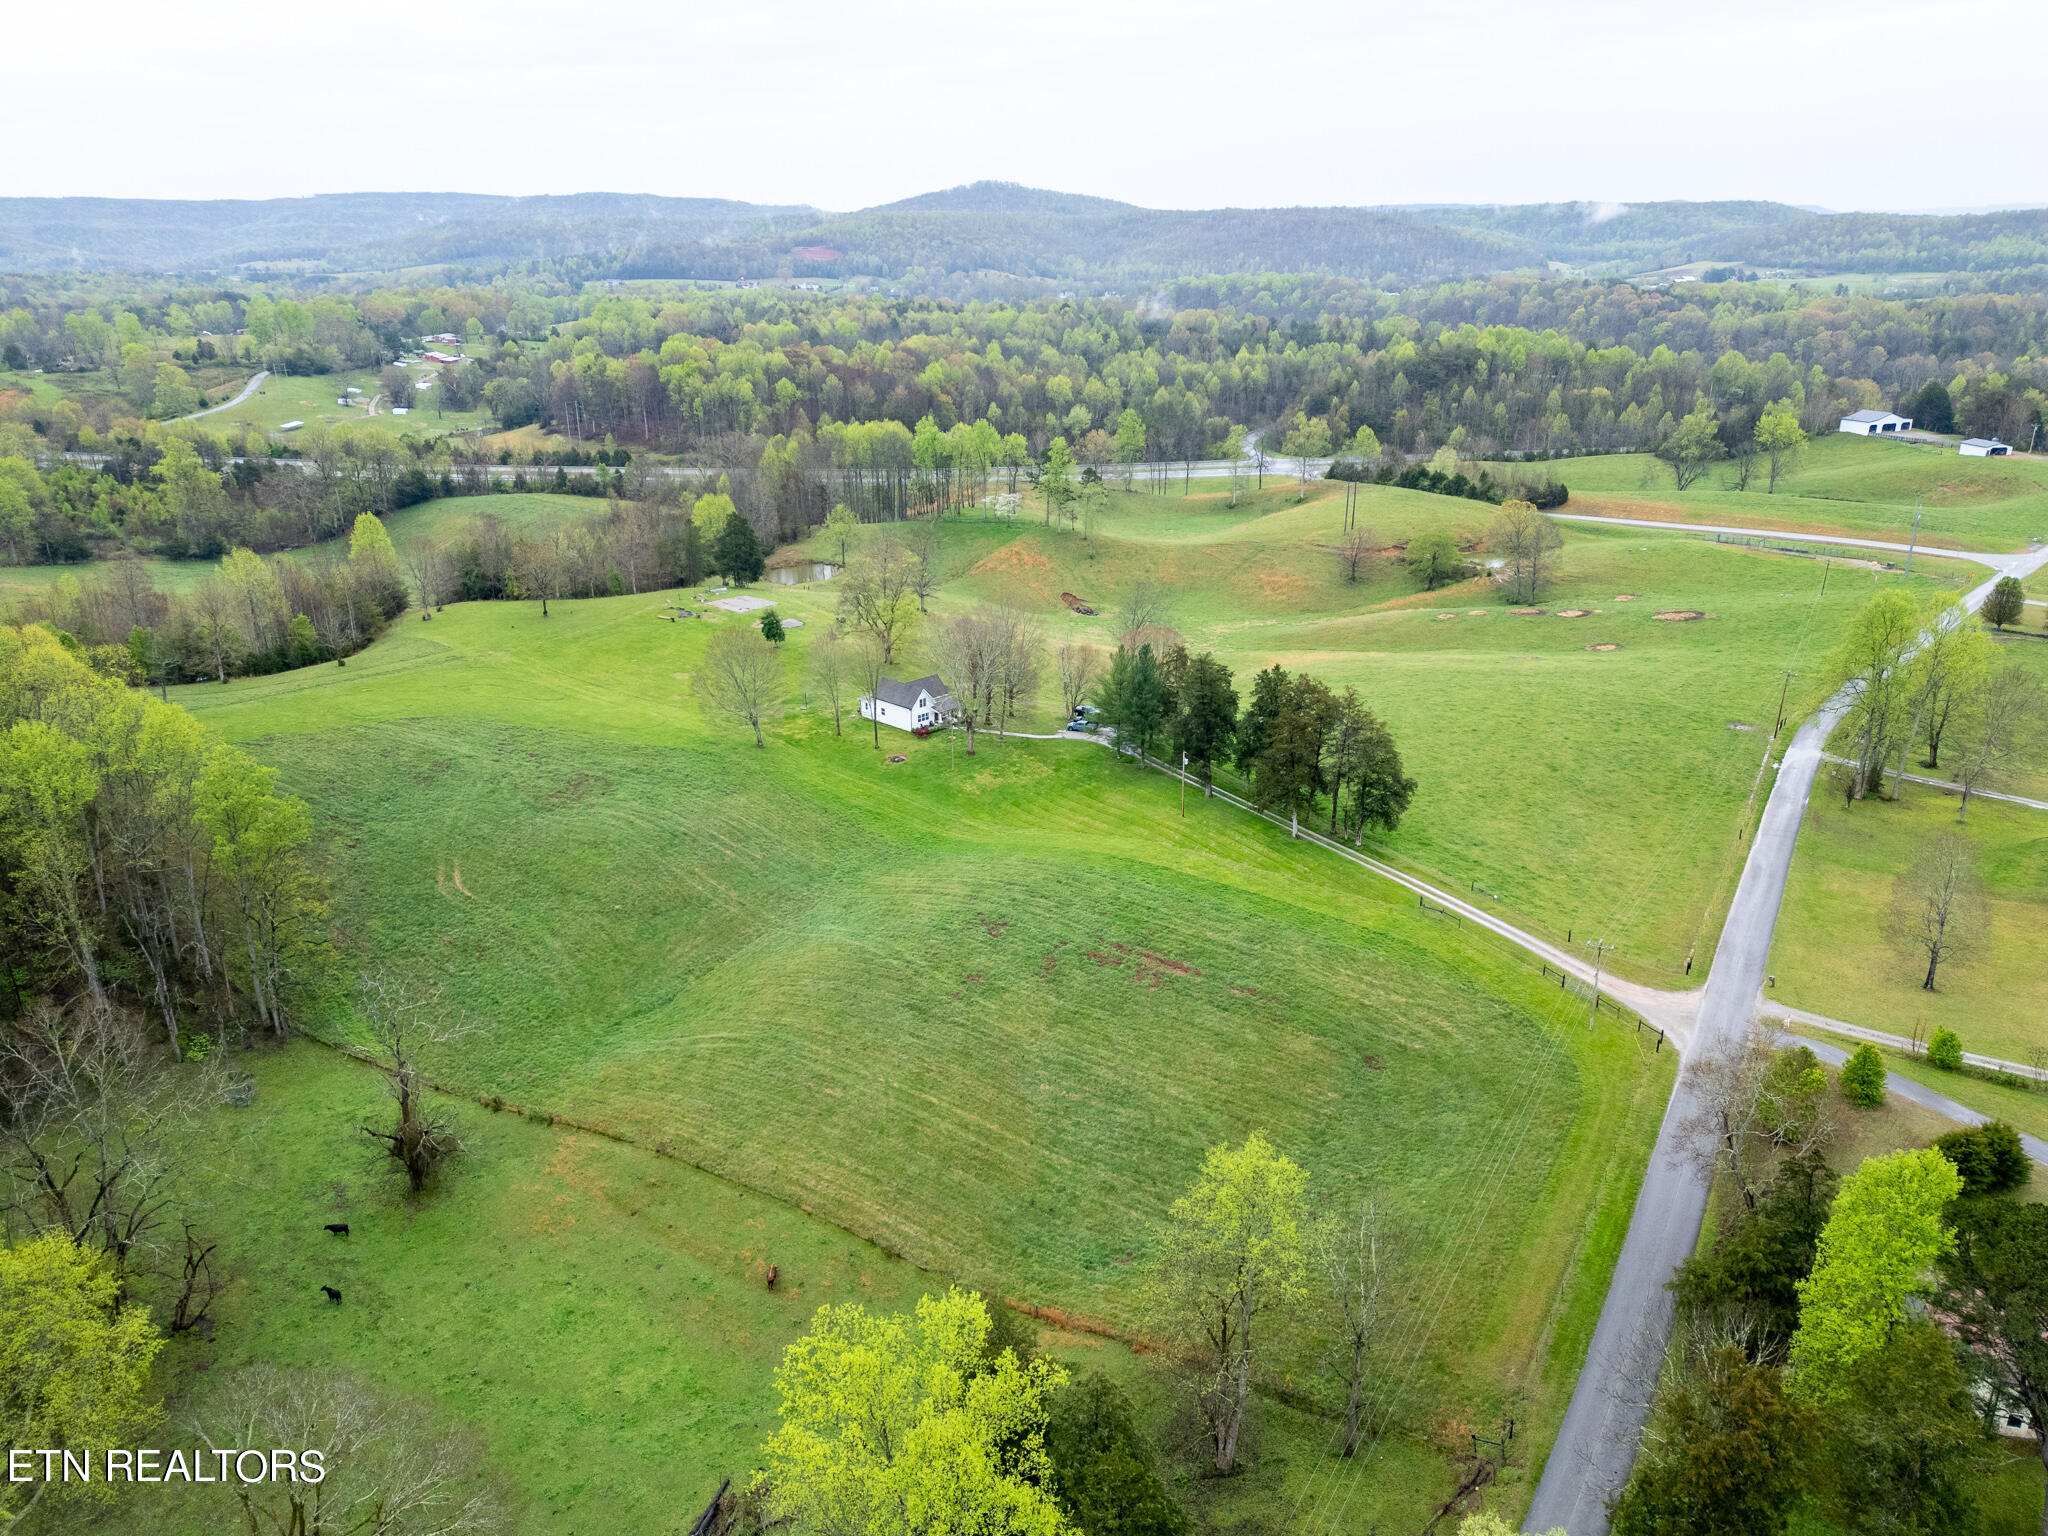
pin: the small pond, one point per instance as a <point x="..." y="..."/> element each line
<point x="790" y="575"/>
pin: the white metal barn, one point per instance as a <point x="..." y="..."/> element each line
<point x="912" y="706"/>
<point x="1983" y="448"/>
<point x="1872" y="423"/>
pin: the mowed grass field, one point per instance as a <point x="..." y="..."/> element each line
<point x="314" y="399"/>
<point x="1862" y="487"/>
<point x="1585" y="791"/>
<point x="987" y="1012"/>
<point x="1832" y="953"/>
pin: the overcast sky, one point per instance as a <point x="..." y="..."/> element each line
<point x="1167" y="103"/>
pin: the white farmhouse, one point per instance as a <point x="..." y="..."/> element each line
<point x="1983" y="448"/>
<point x="1871" y="423"/>
<point x="912" y="706"/>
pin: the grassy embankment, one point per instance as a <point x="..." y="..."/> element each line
<point x="985" y="1011"/>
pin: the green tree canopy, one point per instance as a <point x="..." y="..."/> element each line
<point x="1433" y="558"/>
<point x="1878" y="1248"/>
<point x="737" y="552"/>
<point x="894" y="1425"/>
<point x="74" y="1369"/>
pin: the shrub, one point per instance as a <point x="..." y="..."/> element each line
<point x="1863" y="1078"/>
<point x="1945" y="1051"/>
<point x="1989" y="1157"/>
<point x="1103" y="1467"/>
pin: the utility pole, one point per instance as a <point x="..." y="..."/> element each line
<point x="1783" y="688"/>
<point x="1599" y="948"/>
<point x="1183" y="786"/>
<point x="1914" y="542"/>
<point x="1825" y="567"/>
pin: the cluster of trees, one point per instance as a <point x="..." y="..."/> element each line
<point x="146" y="863"/>
<point x="1830" y="1337"/>
<point x="1297" y="742"/>
<point x="949" y="1413"/>
<point x="252" y="615"/>
<point x="1932" y="678"/>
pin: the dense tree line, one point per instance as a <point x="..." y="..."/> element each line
<point x="146" y="863"/>
<point x="1298" y="742"/>
<point x="1518" y="364"/>
<point x="252" y="615"/>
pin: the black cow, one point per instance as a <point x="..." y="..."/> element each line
<point x="338" y="1228"/>
<point x="332" y="1294"/>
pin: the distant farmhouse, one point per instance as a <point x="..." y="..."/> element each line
<point x="1871" y="423"/>
<point x="1984" y="448"/>
<point x="913" y="706"/>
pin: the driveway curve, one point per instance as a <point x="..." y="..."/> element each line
<point x="248" y="389"/>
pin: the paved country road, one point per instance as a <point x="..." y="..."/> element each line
<point x="248" y="389"/>
<point x="1596" y="1446"/>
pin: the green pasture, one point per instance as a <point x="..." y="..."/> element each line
<point x="1831" y="954"/>
<point x="986" y="1012"/>
<point x="1857" y="486"/>
<point x="313" y="399"/>
<point x="1582" y="791"/>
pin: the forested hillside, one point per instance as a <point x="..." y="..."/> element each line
<point x="969" y="238"/>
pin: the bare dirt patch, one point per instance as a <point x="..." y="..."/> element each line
<point x="1014" y="559"/>
<point x="1076" y="604"/>
<point x="1737" y="725"/>
<point x="1604" y="645"/>
<point x="1679" y="615"/>
<point x="898" y="758"/>
<point x="1624" y="597"/>
<point x="1573" y="613"/>
<point x="1527" y="613"/>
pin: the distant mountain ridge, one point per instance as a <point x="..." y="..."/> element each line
<point x="984" y="231"/>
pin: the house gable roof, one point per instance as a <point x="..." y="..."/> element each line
<point x="904" y="695"/>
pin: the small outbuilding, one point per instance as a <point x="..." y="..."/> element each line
<point x="1874" y="423"/>
<point x="917" y="705"/>
<point x="1983" y="448"/>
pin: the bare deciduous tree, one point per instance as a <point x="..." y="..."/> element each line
<point x="741" y="675"/>
<point x="1358" y="556"/>
<point x="1358" y="1255"/>
<point x="1077" y="665"/>
<point x="1937" y="914"/>
<point x="1526" y="542"/>
<point x="1755" y="1105"/>
<point x="877" y="593"/>
<point x="381" y="1475"/>
<point x="404" y="1020"/>
<point x="2003" y="719"/>
<point x="966" y="649"/>
<point x="870" y="666"/>
<point x="1142" y="612"/>
<point x="431" y="571"/>
<point x="90" y="1126"/>
<point x="829" y="666"/>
